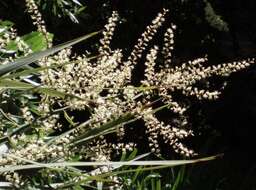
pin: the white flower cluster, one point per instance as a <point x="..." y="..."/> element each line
<point x="168" y="45"/>
<point x="108" y="34"/>
<point x="104" y="85"/>
<point x="171" y="135"/>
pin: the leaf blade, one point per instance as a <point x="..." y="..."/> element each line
<point x="12" y="66"/>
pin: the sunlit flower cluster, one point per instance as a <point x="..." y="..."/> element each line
<point x="104" y="85"/>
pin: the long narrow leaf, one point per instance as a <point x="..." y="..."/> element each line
<point x="12" y="66"/>
<point x="115" y="123"/>
<point x="169" y="163"/>
<point x="37" y="70"/>
<point x="17" y="85"/>
<point x="97" y="131"/>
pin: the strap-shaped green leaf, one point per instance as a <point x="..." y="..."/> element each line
<point x="168" y="163"/>
<point x="17" y="85"/>
<point x="12" y="66"/>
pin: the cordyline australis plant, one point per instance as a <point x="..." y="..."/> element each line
<point x="101" y="87"/>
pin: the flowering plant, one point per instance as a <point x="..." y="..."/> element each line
<point x="101" y="90"/>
